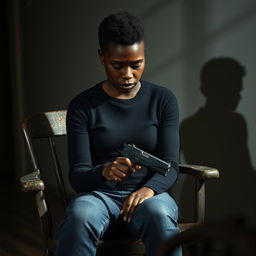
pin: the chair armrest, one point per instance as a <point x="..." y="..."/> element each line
<point x="202" y="172"/>
<point x="31" y="182"/>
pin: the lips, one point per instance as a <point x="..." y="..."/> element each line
<point x="127" y="85"/>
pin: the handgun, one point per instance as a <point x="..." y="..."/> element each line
<point x="140" y="157"/>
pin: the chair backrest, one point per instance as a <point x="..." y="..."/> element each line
<point x="46" y="125"/>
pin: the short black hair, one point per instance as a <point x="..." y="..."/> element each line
<point x="120" y="28"/>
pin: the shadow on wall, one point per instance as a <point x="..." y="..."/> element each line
<point x="216" y="136"/>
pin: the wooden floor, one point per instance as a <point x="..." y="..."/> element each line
<point x="19" y="227"/>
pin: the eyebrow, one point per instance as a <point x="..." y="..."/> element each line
<point x="130" y="62"/>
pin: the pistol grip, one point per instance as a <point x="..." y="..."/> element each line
<point x="111" y="183"/>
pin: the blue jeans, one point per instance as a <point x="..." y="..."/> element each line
<point x="90" y="214"/>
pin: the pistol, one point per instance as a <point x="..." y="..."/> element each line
<point x="140" y="157"/>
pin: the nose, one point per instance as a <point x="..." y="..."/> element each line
<point x="127" y="73"/>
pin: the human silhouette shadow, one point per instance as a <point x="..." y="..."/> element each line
<point x="216" y="136"/>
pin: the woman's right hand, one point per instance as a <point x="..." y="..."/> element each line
<point x="120" y="169"/>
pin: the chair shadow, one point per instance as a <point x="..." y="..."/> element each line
<point x="216" y="136"/>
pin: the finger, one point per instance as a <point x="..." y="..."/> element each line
<point x="118" y="175"/>
<point x="122" y="167"/>
<point x="126" y="206"/>
<point x="137" y="167"/>
<point x="126" y="161"/>
<point x="135" y="203"/>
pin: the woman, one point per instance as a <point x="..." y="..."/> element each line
<point x="121" y="109"/>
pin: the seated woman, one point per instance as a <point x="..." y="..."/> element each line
<point x="121" y="109"/>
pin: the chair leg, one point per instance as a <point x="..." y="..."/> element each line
<point x="48" y="252"/>
<point x="200" y="201"/>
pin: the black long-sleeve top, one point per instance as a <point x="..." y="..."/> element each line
<point x="98" y="125"/>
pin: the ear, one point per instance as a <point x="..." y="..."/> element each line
<point x="101" y="56"/>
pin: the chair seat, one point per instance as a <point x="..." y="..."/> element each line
<point x="112" y="246"/>
<point x="125" y="246"/>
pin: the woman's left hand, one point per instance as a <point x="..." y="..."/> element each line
<point x="133" y="200"/>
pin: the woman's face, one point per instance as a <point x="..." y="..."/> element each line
<point x="124" y="65"/>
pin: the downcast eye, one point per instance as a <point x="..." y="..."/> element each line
<point x="117" y="66"/>
<point x="136" y="66"/>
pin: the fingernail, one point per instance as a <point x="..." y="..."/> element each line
<point x="125" y="218"/>
<point x="129" y="220"/>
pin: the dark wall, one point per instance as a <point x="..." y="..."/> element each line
<point x="6" y="149"/>
<point x="59" y="59"/>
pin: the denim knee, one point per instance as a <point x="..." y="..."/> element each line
<point x="158" y="209"/>
<point x="85" y="221"/>
<point x="86" y="216"/>
<point x="155" y="220"/>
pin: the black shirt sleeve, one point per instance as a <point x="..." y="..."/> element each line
<point x="82" y="175"/>
<point x="167" y="143"/>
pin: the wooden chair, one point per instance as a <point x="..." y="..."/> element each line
<point x="49" y="126"/>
